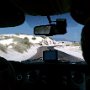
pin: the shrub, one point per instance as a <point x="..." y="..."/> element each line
<point x="25" y="40"/>
<point x="7" y="37"/>
<point x="3" y="48"/>
<point x="17" y="39"/>
<point x="76" y="44"/>
<point x="33" y="38"/>
<point x="19" y="47"/>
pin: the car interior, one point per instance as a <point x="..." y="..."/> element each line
<point x="47" y="72"/>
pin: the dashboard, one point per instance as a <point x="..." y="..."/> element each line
<point x="51" y="75"/>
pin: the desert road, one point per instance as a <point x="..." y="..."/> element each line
<point x="61" y="55"/>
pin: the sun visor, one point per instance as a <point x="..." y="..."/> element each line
<point x="80" y="11"/>
<point x="10" y="15"/>
<point x="43" y="7"/>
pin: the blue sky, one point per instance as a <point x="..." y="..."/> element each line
<point x="73" y="28"/>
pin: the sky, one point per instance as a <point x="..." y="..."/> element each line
<point x="73" y="28"/>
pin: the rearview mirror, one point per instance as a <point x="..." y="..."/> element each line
<point x="51" y="29"/>
<point x="45" y="30"/>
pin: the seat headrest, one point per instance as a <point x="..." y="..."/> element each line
<point x="85" y="41"/>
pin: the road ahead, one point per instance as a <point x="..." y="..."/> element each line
<point x="67" y="57"/>
<point x="61" y="55"/>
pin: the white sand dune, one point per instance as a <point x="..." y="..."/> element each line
<point x="36" y="50"/>
<point x="74" y="51"/>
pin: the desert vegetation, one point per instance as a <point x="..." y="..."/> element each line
<point x="75" y="44"/>
<point x="3" y="48"/>
<point x="22" y="44"/>
<point x="19" y="44"/>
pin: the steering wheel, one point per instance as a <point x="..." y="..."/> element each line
<point x="7" y="75"/>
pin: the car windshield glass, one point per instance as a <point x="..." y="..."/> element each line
<point x="19" y="43"/>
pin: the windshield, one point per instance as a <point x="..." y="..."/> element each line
<point x="19" y="43"/>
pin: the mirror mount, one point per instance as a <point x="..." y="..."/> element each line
<point x="49" y="19"/>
